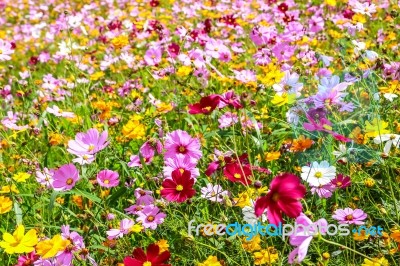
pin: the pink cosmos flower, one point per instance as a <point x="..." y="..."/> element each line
<point x="229" y="98"/>
<point x="324" y="191"/>
<point x="153" y="56"/>
<point x="28" y="259"/>
<point x="125" y="226"/>
<point x="58" y="112"/>
<point x="88" y="143"/>
<point x="341" y="181"/>
<point x="5" y="50"/>
<point x="301" y="239"/>
<point x="108" y="178"/>
<point x="180" y="142"/>
<point x="350" y="216"/>
<point x="283" y="197"/>
<point x="65" y="177"/>
<point x="180" y="162"/>
<point x="151" y="217"/>
<point x="45" y="177"/>
<point x="228" y="119"/>
<point x="214" y="193"/>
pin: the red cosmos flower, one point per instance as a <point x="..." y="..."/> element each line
<point x="173" y="49"/>
<point x="180" y="188"/>
<point x="284" y="195"/>
<point x="206" y="105"/>
<point x="152" y="257"/>
<point x="236" y="173"/>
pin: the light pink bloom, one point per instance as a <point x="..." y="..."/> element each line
<point x="301" y="238"/>
<point x="5" y="50"/>
<point x="45" y="177"/>
<point x="228" y="119"/>
<point x="107" y="178"/>
<point x="350" y="216"/>
<point x="90" y="142"/>
<point x="58" y="112"/>
<point x="151" y="217"/>
<point x="180" y="142"/>
<point x="124" y="229"/>
<point x="65" y="177"/>
<point x="153" y="56"/>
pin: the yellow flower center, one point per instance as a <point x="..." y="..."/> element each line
<point x="207" y="108"/>
<point x="392" y="137"/>
<point x="91" y="147"/>
<point x="147" y="263"/>
<point x="106" y="182"/>
<point x="181" y="170"/>
<point x="179" y="188"/>
<point x="349" y="217"/>
<point x="181" y="149"/>
<point x="339" y="184"/>
<point x="150" y="218"/>
<point x="70" y="181"/>
<point x="237" y="176"/>
<point x="1" y="51"/>
<point x="318" y="175"/>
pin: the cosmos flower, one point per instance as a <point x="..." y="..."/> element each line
<point x="341" y="181"/>
<point x="125" y="227"/>
<point x="88" y="143"/>
<point x="180" y="142"/>
<point x="153" y="257"/>
<point x="65" y="177"/>
<point x="153" y="56"/>
<point x="283" y="197"/>
<point x="151" y="217"/>
<point x="5" y="50"/>
<point x="350" y="216"/>
<point x="205" y="106"/>
<point x="179" y="188"/>
<point x="390" y="139"/>
<point x="58" y="112"/>
<point x="301" y="239"/>
<point x="238" y="173"/>
<point x="107" y="178"/>
<point x="214" y="193"/>
<point x="318" y="173"/>
<point x="183" y="162"/>
<point x="19" y="242"/>
<point x="323" y="191"/>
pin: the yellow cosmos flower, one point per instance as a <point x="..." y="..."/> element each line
<point x="163" y="245"/>
<point x="243" y="199"/>
<point x="210" y="261"/>
<point x="97" y="75"/>
<point x="19" y="242"/>
<point x="134" y="130"/>
<point x="266" y="256"/>
<point x="376" y="262"/>
<point x="252" y="245"/>
<point x="164" y="107"/>
<point x="283" y="99"/>
<point x="21" y="177"/>
<point x="50" y="247"/>
<point x="376" y="128"/>
<point x="5" y="204"/>
<point x="8" y="189"/>
<point x="120" y="41"/>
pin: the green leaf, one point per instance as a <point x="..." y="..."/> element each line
<point x="86" y="195"/>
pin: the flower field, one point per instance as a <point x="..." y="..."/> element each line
<point x="204" y="133"/>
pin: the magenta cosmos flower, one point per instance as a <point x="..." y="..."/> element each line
<point x="65" y="177"/>
<point x="180" y="142"/>
<point x="108" y="178"/>
<point x="151" y="217"/>
<point x="179" y="188"/>
<point x="284" y="195"/>
<point x="88" y="143"/>
<point x="349" y="216"/>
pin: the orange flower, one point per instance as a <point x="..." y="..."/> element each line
<point x="301" y="144"/>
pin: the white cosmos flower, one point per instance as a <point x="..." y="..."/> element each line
<point x="249" y="215"/>
<point x="390" y="139"/>
<point x="318" y="174"/>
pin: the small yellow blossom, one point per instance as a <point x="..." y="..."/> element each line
<point x="266" y="256"/>
<point x="50" y="247"/>
<point x="377" y="127"/>
<point x="210" y="261"/>
<point x="21" y="177"/>
<point x="163" y="245"/>
<point x="97" y="75"/>
<point x="5" y="204"/>
<point x="252" y="245"/>
<point x="285" y="98"/>
<point x="376" y="262"/>
<point x="134" y="130"/>
<point x="120" y="41"/>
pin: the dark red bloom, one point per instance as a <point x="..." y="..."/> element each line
<point x="115" y="25"/>
<point x="228" y="20"/>
<point x="283" y="7"/>
<point x="285" y="192"/>
<point x="152" y="257"/>
<point x="206" y="105"/>
<point x="238" y="173"/>
<point x="348" y="13"/>
<point x="180" y="188"/>
<point x="154" y="3"/>
<point x="33" y="60"/>
<point x="173" y="49"/>
<point x="207" y="25"/>
<point x="341" y="181"/>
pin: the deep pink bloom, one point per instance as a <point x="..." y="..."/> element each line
<point x="65" y="177"/>
<point x="205" y="106"/>
<point x="27" y="260"/>
<point x="284" y="195"/>
<point x="179" y="188"/>
<point x="108" y="178"/>
<point x="180" y="142"/>
<point x="301" y="238"/>
<point x="152" y="256"/>
<point x="238" y="173"/>
<point x="341" y="181"/>
<point x="229" y="98"/>
<point x="88" y="143"/>
<point x="350" y="216"/>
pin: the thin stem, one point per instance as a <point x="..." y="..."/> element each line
<point x="345" y="247"/>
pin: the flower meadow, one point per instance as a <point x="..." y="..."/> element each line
<point x="122" y="121"/>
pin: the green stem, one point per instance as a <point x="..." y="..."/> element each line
<point x="345" y="247"/>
